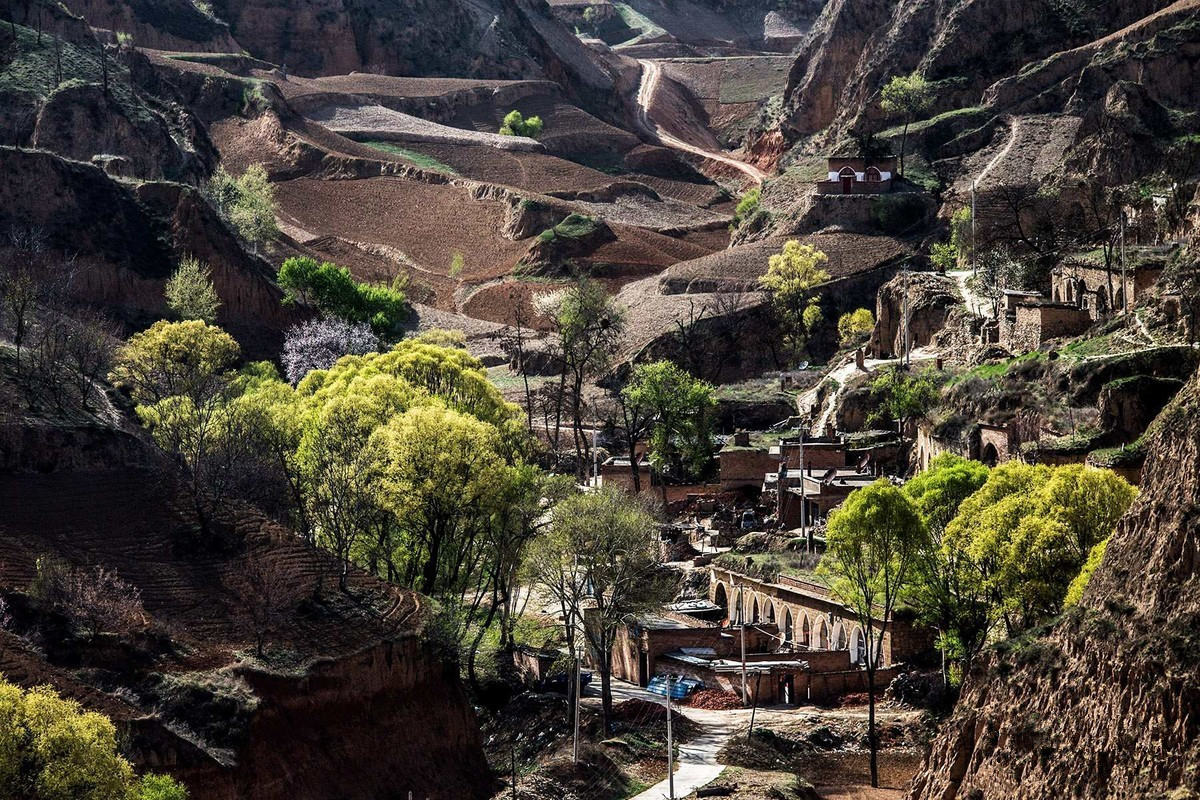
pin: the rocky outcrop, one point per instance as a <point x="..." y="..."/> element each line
<point x="1103" y="704"/>
<point x="993" y="59"/>
<point x="128" y="239"/>
<point x="929" y="299"/>
<point x="1128" y="406"/>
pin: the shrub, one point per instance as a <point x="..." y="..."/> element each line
<point x="747" y="208"/>
<point x="332" y="290"/>
<point x="855" y="325"/>
<point x="190" y="291"/>
<point x="95" y="598"/>
<point x="319" y="343"/>
<point x="246" y="202"/>
<point x="51" y="749"/>
<point x="515" y="124"/>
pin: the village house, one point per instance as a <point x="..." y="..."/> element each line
<point x="801" y="645"/>
<point x="986" y="443"/>
<point x="815" y="475"/>
<point x="743" y="463"/>
<point x="1086" y="283"/>
<point x="1030" y="320"/>
<point x="858" y="176"/>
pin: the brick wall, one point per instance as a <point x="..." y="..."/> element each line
<point x="745" y="467"/>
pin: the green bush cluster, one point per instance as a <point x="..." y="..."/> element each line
<point x="332" y="290"/>
<point x="516" y="124"/>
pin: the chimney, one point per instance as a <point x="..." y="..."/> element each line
<point x="741" y="439"/>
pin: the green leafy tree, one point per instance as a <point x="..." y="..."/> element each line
<point x="855" y="326"/>
<point x="678" y="408"/>
<point x="175" y="359"/>
<point x="51" y="749"/>
<point x="334" y="292"/>
<point x="516" y="124"/>
<point x="900" y="396"/>
<point x="442" y="475"/>
<point x="600" y="562"/>
<point x="873" y="546"/>
<point x="907" y="98"/>
<point x="792" y="279"/>
<point x="1030" y="530"/>
<point x="945" y="589"/>
<point x="190" y="291"/>
<point x="247" y="202"/>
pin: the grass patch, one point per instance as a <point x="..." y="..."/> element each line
<point x="575" y="226"/>
<point x="990" y="372"/>
<point x="420" y="159"/>
<point x="646" y="27"/>
<point x="32" y="69"/>
<point x="973" y="115"/>
<point x="754" y="390"/>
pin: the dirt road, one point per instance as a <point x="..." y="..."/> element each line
<point x="651" y="75"/>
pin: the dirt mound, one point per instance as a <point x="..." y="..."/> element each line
<point x="714" y="700"/>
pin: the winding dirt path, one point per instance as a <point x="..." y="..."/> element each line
<point x="651" y="76"/>
<point x="1014" y="130"/>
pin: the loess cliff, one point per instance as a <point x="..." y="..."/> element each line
<point x="354" y="699"/>
<point x="1106" y="703"/>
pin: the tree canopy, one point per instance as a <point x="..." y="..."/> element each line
<point x="333" y="291"/>
<point x="679" y="409"/>
<point x="51" y="749"/>
<point x="792" y="278"/>
<point x="190" y="292"/>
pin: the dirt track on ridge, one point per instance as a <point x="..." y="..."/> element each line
<point x="651" y="75"/>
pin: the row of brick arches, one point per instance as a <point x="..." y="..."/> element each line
<point x="798" y="628"/>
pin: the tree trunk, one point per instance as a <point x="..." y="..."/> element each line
<point x="872" y="733"/>
<point x="472" y="677"/>
<point x="606" y="702"/>
<point x="903" y="146"/>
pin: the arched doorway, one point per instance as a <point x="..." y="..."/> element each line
<point x="858" y="647"/>
<point x="768" y="611"/>
<point x="786" y="628"/>
<point x="1119" y="300"/>
<point x="839" y="641"/>
<point x="989" y="457"/>
<point x="754" y="610"/>
<point x="806" y="632"/>
<point x="721" y="597"/>
<point x="1081" y="294"/>
<point x="822" y="642"/>
<point x="847" y="178"/>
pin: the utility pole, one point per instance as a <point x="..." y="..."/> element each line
<point x="974" y="268"/>
<point x="754" y="708"/>
<point x="907" y="343"/>
<point x="1124" y="287"/>
<point x="745" y="696"/>
<point x="578" y="706"/>
<point x="670" y="744"/>
<point x="804" y="529"/>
